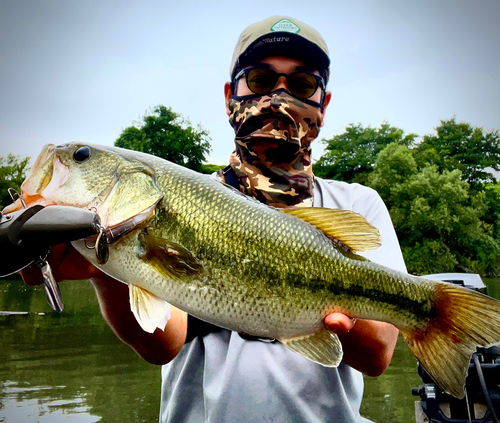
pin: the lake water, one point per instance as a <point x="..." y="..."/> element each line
<point x="70" y="367"/>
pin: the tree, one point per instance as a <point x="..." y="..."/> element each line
<point x="166" y="134"/>
<point x="443" y="200"/>
<point x="394" y="166"/>
<point x="492" y="199"/>
<point x="13" y="170"/>
<point x="351" y="156"/>
<point x="436" y="216"/>
<point x="459" y="145"/>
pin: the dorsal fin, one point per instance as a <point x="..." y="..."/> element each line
<point x="346" y="226"/>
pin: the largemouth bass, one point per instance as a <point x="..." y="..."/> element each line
<point x="181" y="237"/>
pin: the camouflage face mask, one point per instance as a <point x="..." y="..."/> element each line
<point x="272" y="159"/>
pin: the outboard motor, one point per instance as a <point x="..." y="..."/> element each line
<point x="482" y="400"/>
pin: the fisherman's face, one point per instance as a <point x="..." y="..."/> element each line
<point x="279" y="64"/>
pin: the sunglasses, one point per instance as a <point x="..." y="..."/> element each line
<point x="263" y="80"/>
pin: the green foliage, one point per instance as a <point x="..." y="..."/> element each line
<point x="165" y="133"/>
<point x="417" y="257"/>
<point x="444" y="203"/>
<point x="13" y="170"/>
<point x="210" y="168"/>
<point x="351" y="156"/>
<point x="436" y="216"/>
<point x="395" y="164"/>
<point x="459" y="145"/>
<point x="492" y="200"/>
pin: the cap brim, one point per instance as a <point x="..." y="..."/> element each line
<point x="295" y="46"/>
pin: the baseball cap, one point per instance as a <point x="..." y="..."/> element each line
<point x="280" y="36"/>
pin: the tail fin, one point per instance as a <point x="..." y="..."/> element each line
<point x="465" y="319"/>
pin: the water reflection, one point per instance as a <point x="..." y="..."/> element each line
<point x="71" y="367"/>
<point x="68" y="366"/>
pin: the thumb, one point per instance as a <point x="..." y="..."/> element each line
<point x="339" y="323"/>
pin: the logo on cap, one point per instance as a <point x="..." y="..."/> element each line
<point x="285" y="25"/>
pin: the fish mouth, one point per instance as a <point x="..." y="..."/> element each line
<point x="45" y="177"/>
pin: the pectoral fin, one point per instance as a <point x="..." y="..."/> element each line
<point x="346" y="226"/>
<point x="172" y="260"/>
<point x="322" y="347"/>
<point x="148" y="309"/>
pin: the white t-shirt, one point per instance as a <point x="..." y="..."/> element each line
<point x="220" y="377"/>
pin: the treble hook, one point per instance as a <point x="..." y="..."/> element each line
<point x="15" y="195"/>
<point x="101" y="246"/>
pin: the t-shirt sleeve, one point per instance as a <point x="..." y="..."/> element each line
<point x="368" y="203"/>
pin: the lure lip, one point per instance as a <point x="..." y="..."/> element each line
<point x="27" y="234"/>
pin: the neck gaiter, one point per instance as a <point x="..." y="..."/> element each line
<point x="272" y="159"/>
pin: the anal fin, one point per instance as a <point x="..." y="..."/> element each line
<point x="322" y="347"/>
<point x="149" y="311"/>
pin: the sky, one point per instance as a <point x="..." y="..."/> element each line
<point x="83" y="70"/>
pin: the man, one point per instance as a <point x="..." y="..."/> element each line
<point x="276" y="102"/>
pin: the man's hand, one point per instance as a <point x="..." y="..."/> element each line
<point x="339" y="323"/>
<point x="66" y="264"/>
<point x="368" y="345"/>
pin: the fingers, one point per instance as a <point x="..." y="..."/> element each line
<point x="66" y="264"/>
<point x="339" y="323"/>
<point x="32" y="275"/>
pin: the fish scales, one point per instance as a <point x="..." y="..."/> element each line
<point x="232" y="261"/>
<point x="292" y="271"/>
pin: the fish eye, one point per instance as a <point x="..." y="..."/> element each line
<point x="82" y="154"/>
